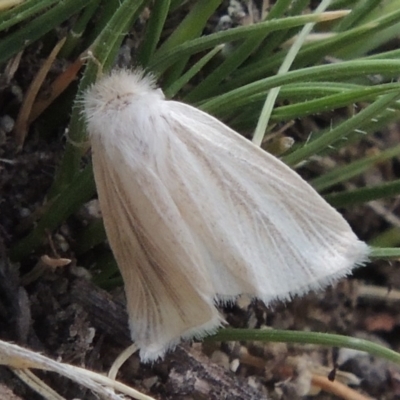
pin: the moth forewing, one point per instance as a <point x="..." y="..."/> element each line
<point x="195" y="213"/>
<point x="165" y="299"/>
<point x="280" y="237"/>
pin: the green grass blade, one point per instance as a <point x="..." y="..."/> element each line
<point x="76" y="32"/>
<point x="173" y="89"/>
<point x="23" y="11"/>
<point x="345" y="173"/>
<point x="235" y="58"/>
<point x="324" y="339"/>
<point x="312" y="54"/>
<point x="343" y="129"/>
<point x="268" y="106"/>
<point x="385" y="253"/>
<point x="163" y="60"/>
<point x="39" y="26"/>
<point x="104" y="51"/>
<point x="192" y="26"/>
<point x="331" y="102"/>
<point x="363" y="195"/>
<point x="154" y="27"/>
<point x="237" y="98"/>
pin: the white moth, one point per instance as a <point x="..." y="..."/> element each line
<point x="196" y="215"/>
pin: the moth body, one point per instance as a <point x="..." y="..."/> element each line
<point x="196" y="215"/>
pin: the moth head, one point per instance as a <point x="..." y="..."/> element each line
<point x="113" y="92"/>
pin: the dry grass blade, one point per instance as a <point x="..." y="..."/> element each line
<point x="22" y="124"/>
<point x="18" y="357"/>
<point x="36" y="384"/>
<point x="57" y="87"/>
<point x="337" y="388"/>
<point x="5" y="4"/>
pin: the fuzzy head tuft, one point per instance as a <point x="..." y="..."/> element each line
<point x="114" y="91"/>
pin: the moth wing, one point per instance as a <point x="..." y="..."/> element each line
<point x="261" y="229"/>
<point x="166" y="297"/>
